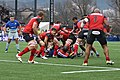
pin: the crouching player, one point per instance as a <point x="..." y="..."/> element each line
<point x="49" y="38"/>
<point x="30" y="30"/>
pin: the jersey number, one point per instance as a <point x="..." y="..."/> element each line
<point x="95" y="18"/>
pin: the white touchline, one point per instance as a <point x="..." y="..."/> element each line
<point x="67" y="65"/>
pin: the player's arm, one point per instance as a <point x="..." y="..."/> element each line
<point x="110" y="30"/>
<point x="73" y="29"/>
<point x="106" y="22"/>
<point x="19" y="28"/>
<point x="5" y="28"/>
<point x="79" y="27"/>
<point x="64" y="30"/>
<point x="107" y="25"/>
<point x="35" y="29"/>
<point x="3" y="23"/>
<point x="84" y="21"/>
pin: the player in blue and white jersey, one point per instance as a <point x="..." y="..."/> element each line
<point x="13" y="26"/>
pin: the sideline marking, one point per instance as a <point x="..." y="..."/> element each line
<point x="67" y="65"/>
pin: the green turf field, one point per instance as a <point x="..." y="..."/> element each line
<point x="58" y="68"/>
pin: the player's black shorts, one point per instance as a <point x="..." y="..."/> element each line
<point x="72" y="36"/>
<point x="83" y="34"/>
<point x="96" y="34"/>
<point x="63" y="41"/>
<point x="28" y="37"/>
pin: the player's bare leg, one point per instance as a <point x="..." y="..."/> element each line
<point x="106" y="53"/>
<point x="87" y="53"/>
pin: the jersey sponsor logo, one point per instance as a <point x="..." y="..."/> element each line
<point x="96" y="32"/>
<point x="15" y="23"/>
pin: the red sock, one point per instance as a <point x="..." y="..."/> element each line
<point x="55" y="50"/>
<point x="75" y="49"/>
<point x="85" y="61"/>
<point x="24" y="51"/>
<point x="32" y="54"/>
<point x="42" y="50"/>
<point x="37" y="52"/>
<point x="107" y="58"/>
<point x="62" y="51"/>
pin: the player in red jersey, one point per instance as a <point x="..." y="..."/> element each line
<point x="96" y="21"/>
<point x="82" y="35"/>
<point x="63" y="37"/>
<point x="48" y="38"/>
<point x="72" y="37"/>
<point x="58" y="26"/>
<point x="30" y="30"/>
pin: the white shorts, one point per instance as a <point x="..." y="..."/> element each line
<point x="13" y="35"/>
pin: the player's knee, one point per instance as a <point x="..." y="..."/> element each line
<point x="32" y="43"/>
<point x="36" y="46"/>
<point x="77" y="42"/>
<point x="68" y="42"/>
<point x="42" y="43"/>
<point x="9" y="40"/>
<point x="89" y="46"/>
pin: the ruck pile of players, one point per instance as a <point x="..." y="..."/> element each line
<point x="65" y="43"/>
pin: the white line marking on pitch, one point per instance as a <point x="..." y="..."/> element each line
<point x="112" y="69"/>
<point x="57" y="64"/>
<point x="66" y="65"/>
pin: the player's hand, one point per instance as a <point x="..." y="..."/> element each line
<point x="38" y="38"/>
<point x="75" y="33"/>
<point x="108" y="34"/>
<point x="39" y="32"/>
<point x="70" y="31"/>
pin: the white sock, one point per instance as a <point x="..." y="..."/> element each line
<point x="7" y="45"/>
<point x="17" y="46"/>
<point x="97" y="52"/>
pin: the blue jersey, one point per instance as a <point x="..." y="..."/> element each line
<point x="13" y="26"/>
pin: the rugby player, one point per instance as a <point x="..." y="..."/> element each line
<point x="31" y="29"/>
